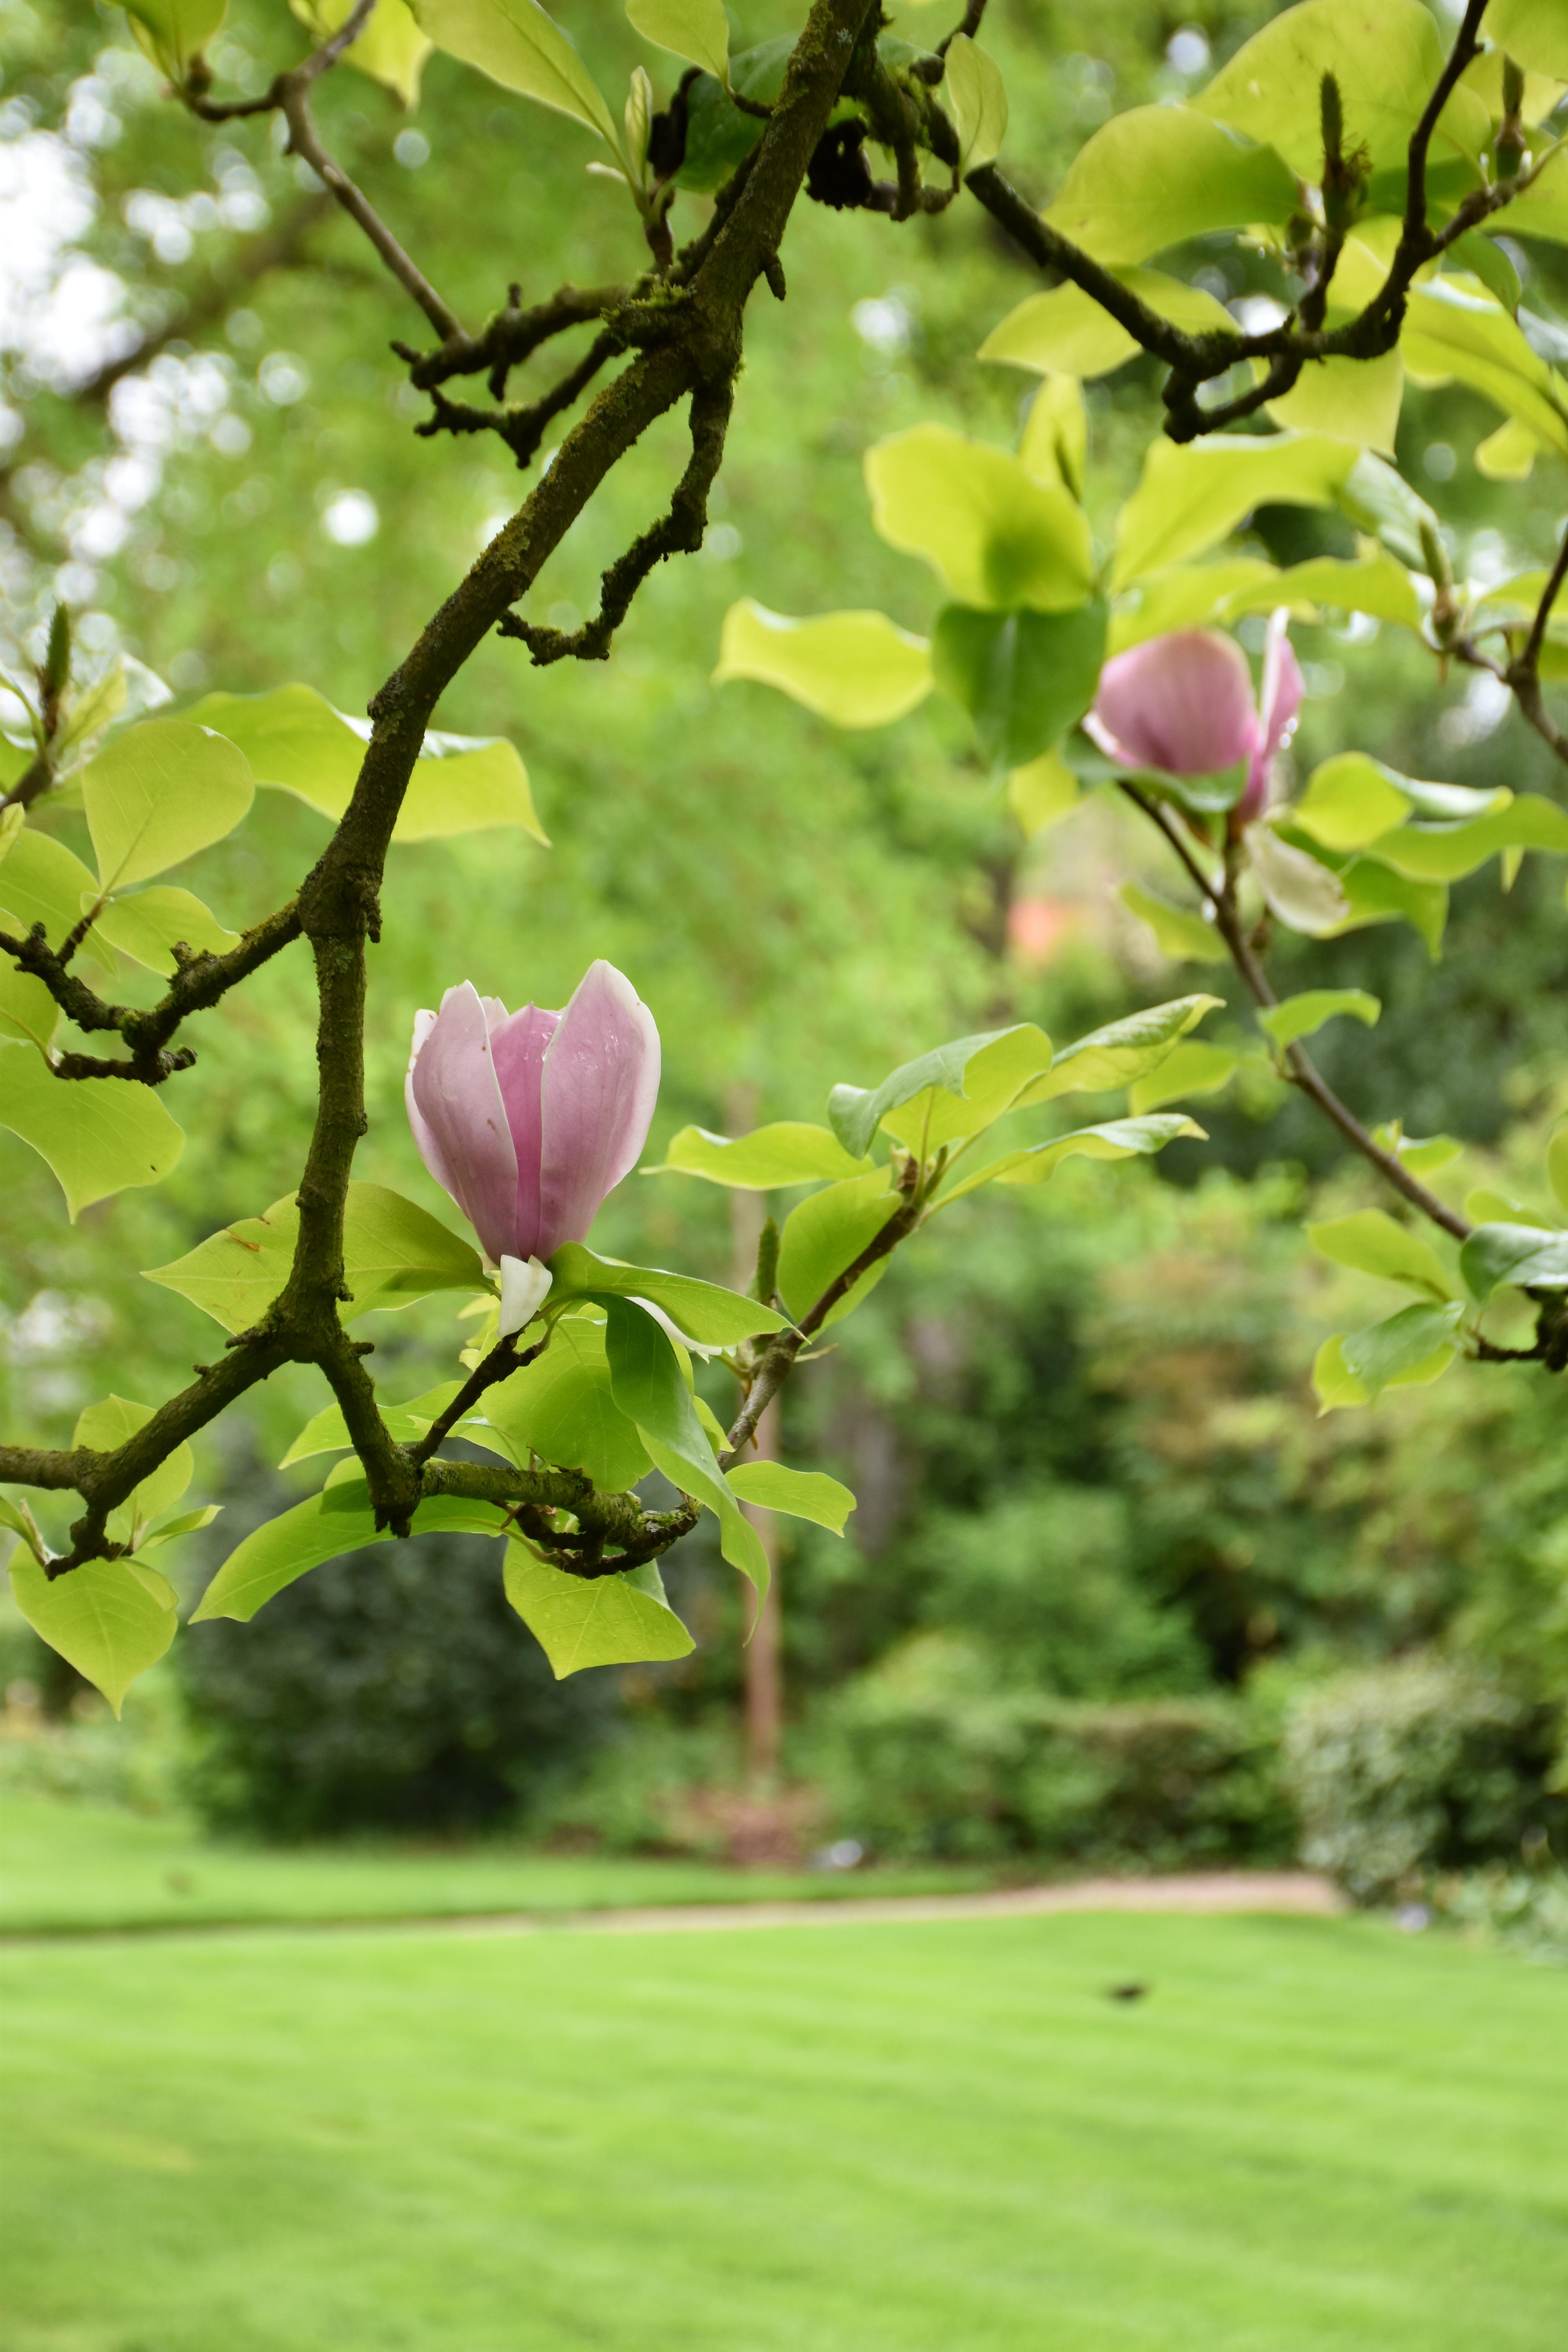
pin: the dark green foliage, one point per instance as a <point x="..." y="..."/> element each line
<point x="392" y="1689"/>
<point x="1423" y="1765"/>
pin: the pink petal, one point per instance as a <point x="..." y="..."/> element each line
<point x="459" y="1119"/>
<point x="518" y="1045"/>
<point x="599" y="1087"/>
<point x="1182" y="702"/>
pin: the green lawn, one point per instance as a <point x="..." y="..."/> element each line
<point x="1311" y="2136"/>
<point x="67" y="1867"/>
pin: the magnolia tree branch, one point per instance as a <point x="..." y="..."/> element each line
<point x="691" y="350"/>
<point x="1298" y="1064"/>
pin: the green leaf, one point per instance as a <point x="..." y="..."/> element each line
<point x="1557" y="1166"/>
<point x="1193" y="1068"/>
<point x="718" y="137"/>
<point x="28" y="1011"/>
<point x="295" y="742"/>
<point x="99" y="1134"/>
<point x="147" y="926"/>
<point x="1376" y="894"/>
<point x="704" y="1311"/>
<point x="801" y="1494"/>
<point x="1337" y="1387"/>
<point x="649" y="1388"/>
<point x="1301" y="890"/>
<point x="1157" y="175"/>
<point x="1304" y="1016"/>
<point x="108" y="1619"/>
<point x="1351" y="800"/>
<point x="339" y="1519"/>
<point x="825" y="1234"/>
<point x="1455" y="328"/>
<point x="1177" y="932"/>
<point x="981" y="1077"/>
<point x="1024" y="678"/>
<point x="1122" y="1052"/>
<point x="159" y="793"/>
<point x="976" y="98"/>
<point x="1369" y="1241"/>
<point x="855" y="669"/>
<point x="602" y="1620"/>
<point x="1387" y="1354"/>
<point x="1190" y="496"/>
<point x="1529" y="1257"/>
<point x="515" y="44"/>
<point x="1378" y="500"/>
<point x="391" y="50"/>
<point x="1043" y="791"/>
<point x="173" y="33"/>
<point x="994" y="535"/>
<point x="1054" y="445"/>
<point x="327" y="1431"/>
<point x="1534" y="33"/>
<point x="1067" y="332"/>
<point x="1483" y="258"/>
<point x="562" y="1409"/>
<point x="1508" y="455"/>
<point x="770" y="1158"/>
<point x="1356" y="401"/>
<point x="1445" y="853"/>
<point x="1386" y="60"/>
<point x="186" y="1524"/>
<point x="1424" y="1155"/>
<point x="105" y="1427"/>
<point x="696" y="30"/>
<point x="1115" y="1138"/>
<point x="393" y="1252"/>
<point x="42" y="882"/>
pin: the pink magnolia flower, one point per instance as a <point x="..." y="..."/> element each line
<point x="528" y="1119"/>
<point x="1184" y="703"/>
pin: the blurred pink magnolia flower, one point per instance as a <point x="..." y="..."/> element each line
<point x="1184" y="703"/>
<point x="528" y="1119"/>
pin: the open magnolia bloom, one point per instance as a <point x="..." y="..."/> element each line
<point x="528" y="1119"/>
<point x="1184" y="703"/>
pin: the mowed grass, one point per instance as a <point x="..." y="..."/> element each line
<point x="1309" y="2135"/>
<point x="68" y="1867"/>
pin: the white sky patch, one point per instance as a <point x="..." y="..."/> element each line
<point x="350" y="518"/>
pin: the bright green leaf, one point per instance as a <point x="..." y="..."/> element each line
<point x="994" y="535"/>
<point x="1557" y="1166"/>
<point x="789" y="1152"/>
<point x="1042" y="791"/>
<point x="1191" y="495"/>
<point x="1534" y="33"/>
<point x="339" y="1519"/>
<point x="1115" y="1138"/>
<point x="515" y="44"/>
<point x="823" y="1236"/>
<point x="1193" y="1068"/>
<point x="856" y="1112"/>
<point x="105" y="1427"/>
<point x="106" y="1619"/>
<point x="1337" y="1387"/>
<point x="1067" y="332"/>
<point x="562" y="1409"/>
<point x="1508" y="455"/>
<point x="1351" y="800"/>
<point x="42" y="882"/>
<point x="327" y="1431"/>
<point x="994" y="1078"/>
<point x="29" y="1014"/>
<point x="602" y="1620"/>
<point x="801" y="1494"/>
<point x="148" y="925"/>
<point x="1157" y="175"/>
<point x="1177" y="932"/>
<point x="1454" y="328"/>
<point x="704" y="1311"/>
<point x="159" y="793"/>
<point x="1122" y="1052"/>
<point x="1024" y="678"/>
<point x="1387" y="1354"/>
<point x="1529" y="1257"/>
<point x="173" y="33"/>
<point x="1357" y="400"/>
<point x="649" y="1388"/>
<point x="1370" y="1242"/>
<point x="696" y="30"/>
<point x="855" y="669"/>
<point x="466" y="783"/>
<point x="99" y="1134"/>
<point x="1386" y="60"/>
<point x="976" y="98"/>
<point x="1304" y="1016"/>
<point x="1445" y="853"/>
<point x="391" y="49"/>
<point x="393" y="1252"/>
<point x="1054" y="445"/>
<point x="1379" y="500"/>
